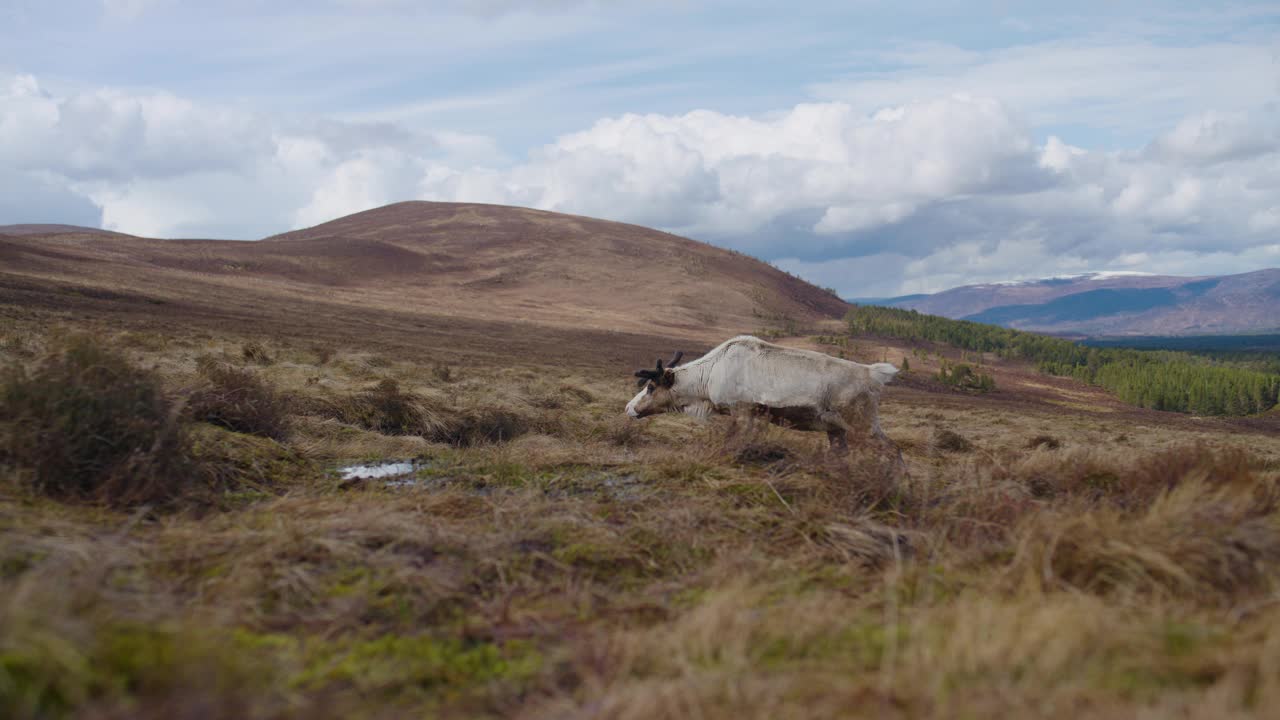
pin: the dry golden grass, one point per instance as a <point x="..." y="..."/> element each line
<point x="1050" y="565"/>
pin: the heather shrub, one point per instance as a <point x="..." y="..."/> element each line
<point x="389" y="409"/>
<point x="951" y="441"/>
<point x="239" y="400"/>
<point x="484" y="424"/>
<point x="256" y="353"/>
<point x="85" y="424"/>
<point x="392" y="411"/>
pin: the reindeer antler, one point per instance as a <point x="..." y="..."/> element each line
<point x="656" y="374"/>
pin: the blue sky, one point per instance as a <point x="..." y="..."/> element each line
<point x="875" y="147"/>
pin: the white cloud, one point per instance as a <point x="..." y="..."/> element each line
<point x="912" y="197"/>
<point x="1129" y="84"/>
<point x="112" y="134"/>
<point x="707" y="173"/>
<point x="1212" y="137"/>
<point x="843" y="218"/>
<point x="371" y="179"/>
<point x="945" y="191"/>
<point x="160" y="165"/>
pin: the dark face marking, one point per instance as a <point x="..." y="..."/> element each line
<point x="653" y="398"/>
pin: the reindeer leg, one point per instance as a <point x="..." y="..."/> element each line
<point x="837" y="433"/>
<point x="839" y="440"/>
<point x="889" y="447"/>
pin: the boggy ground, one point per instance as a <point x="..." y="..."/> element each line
<point x="554" y="560"/>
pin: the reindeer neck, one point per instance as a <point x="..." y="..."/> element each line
<point x="690" y="383"/>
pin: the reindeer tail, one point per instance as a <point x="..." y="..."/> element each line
<point x="883" y="372"/>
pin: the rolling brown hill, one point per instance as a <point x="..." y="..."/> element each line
<point x="50" y="229"/>
<point x="455" y="278"/>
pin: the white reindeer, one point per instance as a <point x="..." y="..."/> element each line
<point x="800" y="389"/>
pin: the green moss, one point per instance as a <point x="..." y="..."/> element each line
<point x="44" y="673"/>
<point x="664" y="554"/>
<point x="509" y="473"/>
<point x="749" y="494"/>
<point x="350" y="581"/>
<point x="1180" y="655"/>
<point x="795" y="582"/>
<point x="14" y="565"/>
<point x="393" y="664"/>
<point x="859" y="646"/>
<point x="682" y="471"/>
<point x="41" y="676"/>
<point x="601" y="560"/>
<point x="277" y="644"/>
<point x="1148" y="682"/>
<point x="688" y="597"/>
<point x="1183" y="639"/>
<point x="1103" y="481"/>
<point x="129" y="659"/>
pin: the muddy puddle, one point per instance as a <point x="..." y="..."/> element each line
<point x="393" y="472"/>
<point x="404" y="474"/>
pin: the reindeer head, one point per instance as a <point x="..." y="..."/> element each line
<point x="655" y="394"/>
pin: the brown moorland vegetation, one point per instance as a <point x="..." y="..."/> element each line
<point x="1040" y="561"/>
<point x="1053" y="553"/>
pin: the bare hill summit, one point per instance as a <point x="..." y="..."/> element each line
<point x="470" y="276"/>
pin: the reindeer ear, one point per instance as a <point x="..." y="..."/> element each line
<point x="668" y="379"/>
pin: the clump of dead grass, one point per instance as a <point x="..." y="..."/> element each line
<point x="484" y="424"/>
<point x="239" y="400"/>
<point x="951" y="441"/>
<point x="1193" y="541"/>
<point x="1046" y="441"/>
<point x="1186" y="521"/>
<point x="256" y="353"/>
<point x="622" y="431"/>
<point x="1121" y="478"/>
<point x="389" y="409"/>
<point x="236" y="466"/>
<point x="85" y="424"/>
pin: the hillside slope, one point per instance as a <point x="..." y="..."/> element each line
<point x="465" y="276"/>
<point x="1103" y="304"/>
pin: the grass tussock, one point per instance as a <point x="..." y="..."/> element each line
<point x="256" y="353"/>
<point x="946" y="440"/>
<point x="86" y="424"/>
<point x="235" y="467"/>
<point x="239" y="400"/>
<point x="1045" y="441"/>
<point x="1123" y="479"/>
<point x="389" y="409"/>
<point x="1200" y="538"/>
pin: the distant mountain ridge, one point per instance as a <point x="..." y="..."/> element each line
<point x="1106" y="304"/>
